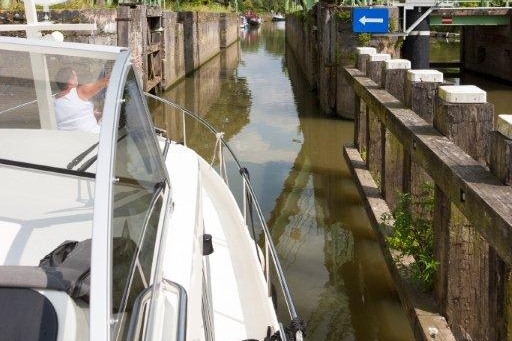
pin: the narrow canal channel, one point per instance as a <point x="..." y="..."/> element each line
<point x="256" y="95"/>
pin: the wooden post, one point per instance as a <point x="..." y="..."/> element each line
<point x="394" y="76"/>
<point x="500" y="161"/>
<point x="500" y="279"/>
<point x="374" y="66"/>
<point x="463" y="115"/>
<point x="421" y="90"/>
<point x="393" y="80"/>
<point x="363" y="55"/>
<point x="131" y="30"/>
<point x="462" y="284"/>
<point x="376" y="133"/>
<point x="419" y="96"/>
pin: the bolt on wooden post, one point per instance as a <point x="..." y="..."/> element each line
<point x="462" y="114"/>
<point x="393" y="80"/>
<point x="376" y="131"/>
<point x="362" y="56"/>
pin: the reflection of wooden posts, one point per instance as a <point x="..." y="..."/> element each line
<point x="376" y="133"/>
<point x="462" y="114"/>
<point x="500" y="279"/>
<point x="362" y="56"/>
<point x="395" y="170"/>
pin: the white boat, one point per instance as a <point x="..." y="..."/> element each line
<point x="121" y="234"/>
<point x="278" y="17"/>
<point x="243" y="22"/>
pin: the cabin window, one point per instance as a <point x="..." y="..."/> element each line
<point x="137" y="205"/>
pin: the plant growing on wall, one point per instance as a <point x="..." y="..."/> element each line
<point x="413" y="234"/>
<point x="344" y="15"/>
<point x="364" y="39"/>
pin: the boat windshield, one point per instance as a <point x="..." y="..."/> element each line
<point x="51" y="105"/>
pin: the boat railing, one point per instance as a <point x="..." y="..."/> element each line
<point x="250" y="203"/>
<point x="139" y="313"/>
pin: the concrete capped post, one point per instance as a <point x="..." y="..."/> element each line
<point x="394" y="75"/>
<point x="362" y="56"/>
<point x="376" y="131"/>
<point x="420" y="92"/>
<point x="374" y="66"/>
<point x="462" y="114"/>
<point x="395" y="166"/>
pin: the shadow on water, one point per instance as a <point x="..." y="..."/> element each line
<point x="334" y="267"/>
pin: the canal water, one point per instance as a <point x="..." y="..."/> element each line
<point x="255" y="94"/>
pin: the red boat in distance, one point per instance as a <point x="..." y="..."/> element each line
<point x="252" y="18"/>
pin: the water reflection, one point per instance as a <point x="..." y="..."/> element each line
<point x="333" y="264"/>
<point x="348" y="279"/>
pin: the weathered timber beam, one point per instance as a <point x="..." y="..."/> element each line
<point x="483" y="199"/>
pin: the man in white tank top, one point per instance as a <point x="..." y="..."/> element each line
<point x="73" y="108"/>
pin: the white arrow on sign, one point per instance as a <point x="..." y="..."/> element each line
<point x="365" y="20"/>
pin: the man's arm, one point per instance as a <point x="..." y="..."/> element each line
<point x="87" y="91"/>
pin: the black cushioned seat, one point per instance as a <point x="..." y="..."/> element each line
<point x="26" y="315"/>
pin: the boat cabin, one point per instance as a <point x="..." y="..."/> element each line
<point x="81" y="208"/>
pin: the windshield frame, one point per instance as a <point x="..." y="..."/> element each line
<point x="101" y="260"/>
<point x="101" y="264"/>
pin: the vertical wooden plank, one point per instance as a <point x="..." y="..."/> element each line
<point x="362" y="57"/>
<point x="376" y="130"/>
<point x="500" y="281"/>
<point x="357" y="120"/>
<point x="393" y="80"/>
<point x="419" y="95"/>
<point x="421" y="90"/>
<point x="462" y="114"/>
<point x="374" y="66"/>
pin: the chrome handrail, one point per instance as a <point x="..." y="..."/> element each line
<point x="135" y="326"/>
<point x="269" y="245"/>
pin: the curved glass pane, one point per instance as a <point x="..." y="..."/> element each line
<point x="51" y="107"/>
<point x="137" y="204"/>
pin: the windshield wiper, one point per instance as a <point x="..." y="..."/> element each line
<point x="93" y="159"/>
<point x="81" y="156"/>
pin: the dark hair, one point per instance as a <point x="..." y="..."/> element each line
<point x="62" y="77"/>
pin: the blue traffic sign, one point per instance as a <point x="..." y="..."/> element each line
<point x="370" y="20"/>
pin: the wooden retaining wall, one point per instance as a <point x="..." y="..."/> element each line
<point x="168" y="45"/>
<point x="410" y="128"/>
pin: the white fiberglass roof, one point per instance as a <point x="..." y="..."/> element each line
<point x="60" y="48"/>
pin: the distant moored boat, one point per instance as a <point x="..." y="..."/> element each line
<point x="278" y="17"/>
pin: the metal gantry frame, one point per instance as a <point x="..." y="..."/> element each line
<point x="430" y="7"/>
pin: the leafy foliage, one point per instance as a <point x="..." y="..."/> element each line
<point x="413" y="234"/>
<point x="364" y="39"/>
